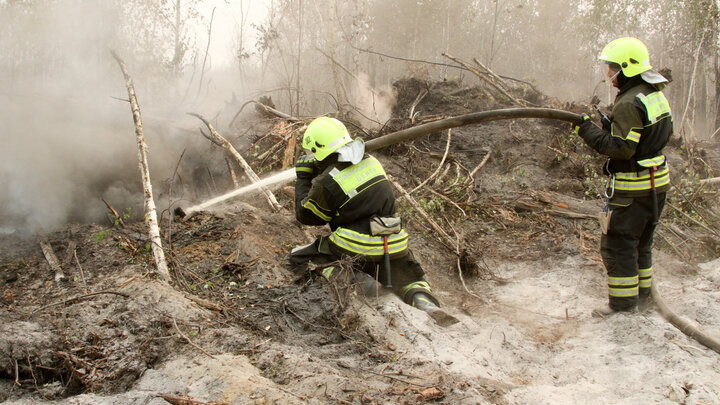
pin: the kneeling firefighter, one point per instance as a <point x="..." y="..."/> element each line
<point x="338" y="184"/>
<point x="633" y="137"/>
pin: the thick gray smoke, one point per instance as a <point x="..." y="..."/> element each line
<point x="66" y="141"/>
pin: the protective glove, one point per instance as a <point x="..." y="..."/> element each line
<point x="606" y="123"/>
<point x="306" y="167"/>
<point x="604" y="120"/>
<point x="585" y="120"/>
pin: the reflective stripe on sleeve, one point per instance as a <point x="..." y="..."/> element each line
<point x="313" y="207"/>
<point x="633" y="136"/>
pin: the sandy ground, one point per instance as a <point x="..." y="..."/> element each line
<point x="532" y="342"/>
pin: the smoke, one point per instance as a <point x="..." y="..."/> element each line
<point x="68" y="137"/>
<point x="373" y="104"/>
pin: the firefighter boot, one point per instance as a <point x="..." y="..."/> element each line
<point x="365" y="284"/>
<point x="645" y="300"/>
<point x="422" y="302"/>
<point x="606" y="311"/>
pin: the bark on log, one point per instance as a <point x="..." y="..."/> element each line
<point x="150" y="211"/>
<point x="289" y="155"/>
<point x="274" y="204"/>
<point x="52" y="261"/>
<point x="714" y="180"/>
<point x="233" y="177"/>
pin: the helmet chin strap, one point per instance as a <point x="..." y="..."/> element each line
<point x="611" y="78"/>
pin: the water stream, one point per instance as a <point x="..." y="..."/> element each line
<point x="282" y="177"/>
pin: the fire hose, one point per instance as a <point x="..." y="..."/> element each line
<point x="506" y="114"/>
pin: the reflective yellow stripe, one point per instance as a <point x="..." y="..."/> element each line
<point x="367" y="244"/>
<point x="642" y="175"/>
<point x="310" y="204"/>
<point x="633" y="136"/>
<point x="656" y="161"/>
<point x="632" y="182"/>
<point x="417" y="284"/>
<point x="623" y="286"/>
<point x="303" y="169"/>
<point x="327" y="271"/>
<point x="620" y="281"/>
<point x="365" y="238"/>
<point x="423" y="299"/>
<point x="355" y="192"/>
<point x="656" y="105"/>
<point x="621" y="135"/>
<point x="354" y="176"/>
<point x="645" y="277"/>
<point x="623" y="292"/>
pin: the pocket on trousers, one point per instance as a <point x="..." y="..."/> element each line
<point x="621" y="201"/>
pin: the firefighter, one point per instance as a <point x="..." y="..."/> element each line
<point x="633" y="138"/>
<point x="338" y="184"/>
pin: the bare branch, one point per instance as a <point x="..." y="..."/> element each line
<point x="274" y="204"/>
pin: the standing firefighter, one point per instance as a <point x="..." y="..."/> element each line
<point x="633" y="137"/>
<point x="338" y="184"/>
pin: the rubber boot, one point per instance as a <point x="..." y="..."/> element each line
<point x="606" y="311"/>
<point x="365" y="284"/>
<point x="422" y="302"/>
<point x="645" y="303"/>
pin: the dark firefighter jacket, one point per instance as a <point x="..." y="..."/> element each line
<point x="346" y="196"/>
<point x="641" y="127"/>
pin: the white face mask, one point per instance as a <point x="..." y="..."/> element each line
<point x="352" y="152"/>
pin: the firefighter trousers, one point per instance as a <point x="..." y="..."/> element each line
<point x="406" y="274"/>
<point x="626" y="249"/>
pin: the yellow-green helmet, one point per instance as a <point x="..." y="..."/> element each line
<point x="324" y="136"/>
<point x="630" y="53"/>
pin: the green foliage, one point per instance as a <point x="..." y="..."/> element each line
<point x="99" y="236"/>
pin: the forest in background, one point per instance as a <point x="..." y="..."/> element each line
<point x="303" y="49"/>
